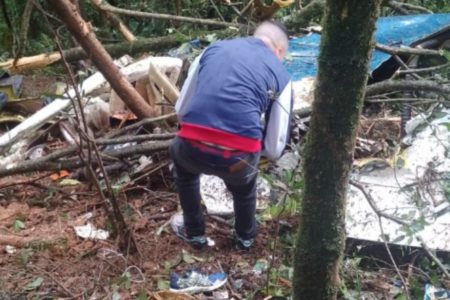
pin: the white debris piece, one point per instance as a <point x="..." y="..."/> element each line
<point x="89" y="231"/>
<point x="303" y="92"/>
<point x="219" y="201"/>
<point x="10" y="249"/>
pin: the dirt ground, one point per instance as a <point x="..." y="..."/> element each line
<point x="47" y="247"/>
<point x="48" y="260"/>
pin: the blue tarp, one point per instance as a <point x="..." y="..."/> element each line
<point x="392" y="31"/>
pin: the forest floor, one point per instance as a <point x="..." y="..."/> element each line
<point x="42" y="257"/>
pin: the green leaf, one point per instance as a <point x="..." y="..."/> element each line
<point x="260" y="266"/>
<point x="446" y="54"/>
<point x="163" y="284"/>
<point x="34" y="284"/>
<point x="24" y="255"/>
<point x="189" y="258"/>
<point x="18" y="225"/>
<point x="142" y="295"/>
<point x="124" y="280"/>
<point x="67" y="181"/>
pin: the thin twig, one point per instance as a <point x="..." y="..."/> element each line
<point x="414" y="7"/>
<point x="391" y="257"/>
<point x="217" y="10"/>
<point x="433" y="257"/>
<point x="62" y="286"/>
<point x="29" y="181"/>
<point x="406" y="67"/>
<point x="107" y="7"/>
<point x="139" y="124"/>
<point x="424" y="70"/>
<point x="420" y="100"/>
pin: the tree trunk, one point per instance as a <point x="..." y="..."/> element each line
<point x="342" y="76"/>
<point x="102" y="60"/>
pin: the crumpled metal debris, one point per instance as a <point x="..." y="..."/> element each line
<point x="412" y="186"/>
<point x="196" y="282"/>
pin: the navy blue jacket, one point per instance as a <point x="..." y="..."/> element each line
<point x="237" y="82"/>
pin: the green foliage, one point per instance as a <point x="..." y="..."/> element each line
<point x="18" y="225"/>
<point x="434" y="5"/>
<point x="289" y="186"/>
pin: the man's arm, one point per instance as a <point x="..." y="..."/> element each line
<point x="188" y="88"/>
<point x="277" y="128"/>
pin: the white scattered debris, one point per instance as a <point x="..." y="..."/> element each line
<point x="219" y="201"/>
<point x="210" y="242"/>
<point x="10" y="249"/>
<point x="303" y="92"/>
<point x="414" y="187"/>
<point x="89" y="231"/>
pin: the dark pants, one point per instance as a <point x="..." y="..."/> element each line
<point x="237" y="169"/>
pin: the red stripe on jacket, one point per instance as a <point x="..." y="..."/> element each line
<point x="219" y="137"/>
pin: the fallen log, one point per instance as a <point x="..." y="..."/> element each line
<point x="408" y="85"/>
<point x="115" y="50"/>
<point x="48" y="163"/>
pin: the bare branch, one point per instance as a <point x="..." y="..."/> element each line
<point x="408" y="85"/>
<point x="408" y="50"/>
<point x="424" y="70"/>
<point x="413" y="7"/>
<point x="108" y="7"/>
<point x="115" y="21"/>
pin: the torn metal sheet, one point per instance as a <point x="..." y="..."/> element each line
<point x="395" y="31"/>
<point x="413" y="186"/>
<point x="219" y="201"/>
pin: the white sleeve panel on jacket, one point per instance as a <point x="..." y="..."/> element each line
<point x="189" y="87"/>
<point x="277" y="128"/>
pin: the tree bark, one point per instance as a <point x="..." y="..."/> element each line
<point x="102" y="60"/>
<point x="342" y="76"/>
<point x="74" y="54"/>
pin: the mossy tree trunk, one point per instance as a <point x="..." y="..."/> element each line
<point x="345" y="50"/>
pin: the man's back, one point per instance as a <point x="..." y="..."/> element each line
<point x="237" y="79"/>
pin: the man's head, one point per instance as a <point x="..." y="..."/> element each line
<point x="274" y="35"/>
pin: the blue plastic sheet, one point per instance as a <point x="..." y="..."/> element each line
<point x="392" y="31"/>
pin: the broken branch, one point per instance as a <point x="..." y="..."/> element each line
<point x="108" y="7"/>
<point x="407" y="85"/>
<point x="407" y="50"/>
<point x="115" y="21"/>
<point x="48" y="163"/>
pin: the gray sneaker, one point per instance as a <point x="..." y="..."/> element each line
<point x="243" y="244"/>
<point x="177" y="224"/>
